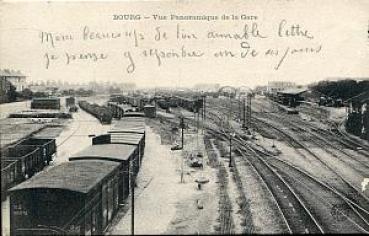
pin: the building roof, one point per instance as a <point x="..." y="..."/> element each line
<point x="76" y="176"/>
<point x="11" y="73"/>
<point x="293" y="91"/>
<point x="113" y="152"/>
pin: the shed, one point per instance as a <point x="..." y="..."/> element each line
<point x="291" y="97"/>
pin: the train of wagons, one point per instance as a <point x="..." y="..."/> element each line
<point x="190" y="104"/>
<point x="102" y="113"/>
<point x="83" y="195"/>
<point x="137" y="102"/>
<point x="23" y="159"/>
<point x="164" y="102"/>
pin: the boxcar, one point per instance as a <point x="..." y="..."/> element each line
<point x="78" y="197"/>
<point x="119" y="137"/>
<point x="122" y="154"/>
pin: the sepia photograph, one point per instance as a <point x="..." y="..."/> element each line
<point x="184" y="117"/>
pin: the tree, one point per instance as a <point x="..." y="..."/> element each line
<point x="26" y="93"/>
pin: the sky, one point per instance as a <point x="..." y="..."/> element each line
<point x="336" y="43"/>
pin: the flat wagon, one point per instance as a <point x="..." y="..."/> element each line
<point x="78" y="198"/>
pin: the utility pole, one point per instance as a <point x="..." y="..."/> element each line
<point x="249" y="96"/>
<point x="182" y="124"/>
<point x="198" y="126"/>
<point x="244" y="113"/>
<point x="230" y="150"/>
<point x="204" y="107"/>
<point x="182" y="164"/>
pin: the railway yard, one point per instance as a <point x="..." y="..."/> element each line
<point x="128" y="164"/>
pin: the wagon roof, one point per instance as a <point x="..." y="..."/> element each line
<point x="133" y="125"/>
<point x="117" y="136"/>
<point x="77" y="176"/>
<point x="116" y="152"/>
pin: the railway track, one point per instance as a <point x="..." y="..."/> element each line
<point x="295" y="214"/>
<point x="357" y="217"/>
<point x="340" y="208"/>
<point x="320" y="139"/>
<point x="356" y="199"/>
<point x="344" y="186"/>
<point x="343" y="193"/>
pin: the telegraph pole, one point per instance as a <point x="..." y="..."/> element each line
<point x="244" y="113"/>
<point x="230" y="150"/>
<point x="182" y="127"/>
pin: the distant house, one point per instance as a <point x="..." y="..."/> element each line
<point x="277" y="86"/>
<point x="261" y="89"/>
<point x="16" y="78"/>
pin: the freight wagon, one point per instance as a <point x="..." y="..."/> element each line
<point x="121" y="154"/>
<point x="150" y="111"/>
<point x="45" y="103"/>
<point x="70" y="101"/>
<point x="22" y="160"/>
<point x="77" y="197"/>
<point x="82" y="196"/>
<point x="102" y="113"/>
